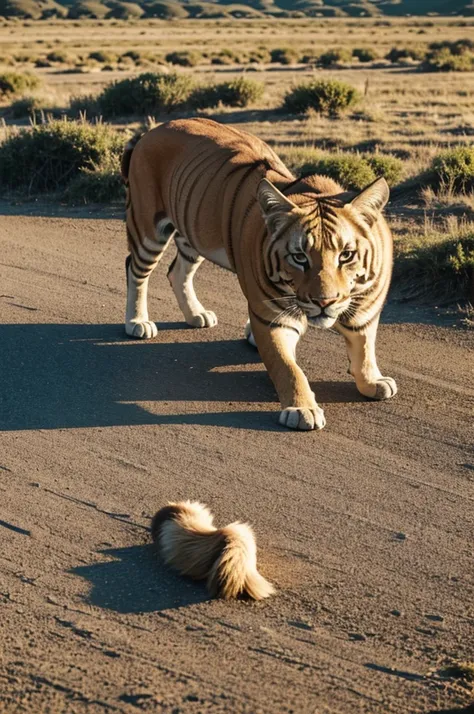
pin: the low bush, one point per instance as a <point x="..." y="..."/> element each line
<point x="103" y="56"/>
<point x="16" y="83"/>
<point x="149" y="93"/>
<point x="326" y="96"/>
<point x="283" y="55"/>
<point x="226" y="56"/>
<point x="58" y="56"/>
<point x="438" y="263"/>
<point x="86" y="105"/>
<point x="454" y="169"/>
<point x="334" y="56"/>
<point x="46" y="157"/>
<point x="354" y="171"/>
<point x="236" y="93"/>
<point x="450" y="57"/>
<point x="102" y="183"/>
<point x="28" y="107"/>
<point x="365" y="54"/>
<point x="260" y="55"/>
<point x="397" y="54"/>
<point x="185" y="58"/>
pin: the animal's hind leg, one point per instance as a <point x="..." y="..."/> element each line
<point x="145" y="254"/>
<point x="180" y="274"/>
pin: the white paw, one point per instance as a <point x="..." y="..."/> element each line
<point x="383" y="388"/>
<point x="249" y="335"/>
<point x="303" y="418"/>
<point x="141" y="330"/>
<point x="204" y="319"/>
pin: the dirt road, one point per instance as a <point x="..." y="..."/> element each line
<point x="365" y="528"/>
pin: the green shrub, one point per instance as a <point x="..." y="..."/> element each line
<point x="58" y="56"/>
<point x="102" y="183"/>
<point x="16" y="84"/>
<point x="149" y="93"/>
<point x="365" y="54"/>
<point x="133" y="55"/>
<point x="226" y="56"/>
<point x="283" y="55"/>
<point x="28" y="107"/>
<point x="454" y="168"/>
<point x="185" y="58"/>
<point x="103" y="56"/>
<point x="352" y="170"/>
<point x="334" y="56"/>
<point x="327" y="96"/>
<point x="259" y="55"/>
<point x="391" y="167"/>
<point x="46" y="157"/>
<point x="86" y="104"/>
<point x="236" y="93"/>
<point x="439" y="264"/>
<point x="402" y="53"/>
<point x="444" y="59"/>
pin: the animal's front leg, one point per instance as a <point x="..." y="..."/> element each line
<point x="363" y="364"/>
<point x="277" y="348"/>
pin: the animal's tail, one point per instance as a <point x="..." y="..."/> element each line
<point x="227" y="557"/>
<point x="127" y="155"/>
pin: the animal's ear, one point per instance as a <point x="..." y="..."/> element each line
<point x="271" y="199"/>
<point x="372" y="199"/>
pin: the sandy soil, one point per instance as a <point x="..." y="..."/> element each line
<point x="366" y="528"/>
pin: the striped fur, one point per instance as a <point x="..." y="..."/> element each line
<point x="304" y="250"/>
<point x="226" y="558"/>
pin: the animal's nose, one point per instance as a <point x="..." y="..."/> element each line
<point x="325" y="301"/>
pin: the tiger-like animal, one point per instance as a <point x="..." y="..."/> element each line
<point x="304" y="250"/>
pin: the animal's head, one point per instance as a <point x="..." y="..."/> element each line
<point x="324" y="246"/>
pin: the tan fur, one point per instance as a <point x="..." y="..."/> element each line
<point x="223" y="194"/>
<point x="227" y="557"/>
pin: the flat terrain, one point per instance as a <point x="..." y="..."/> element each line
<point x="365" y="528"/>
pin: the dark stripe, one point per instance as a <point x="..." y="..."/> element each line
<point x="274" y="325"/>
<point x="191" y="166"/>
<point x="198" y="207"/>
<point x="242" y="180"/>
<point x="128" y="260"/>
<point x="187" y="257"/>
<point x="172" y="264"/>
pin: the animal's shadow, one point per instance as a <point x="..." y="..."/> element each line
<point x="64" y="376"/>
<point x="136" y="581"/>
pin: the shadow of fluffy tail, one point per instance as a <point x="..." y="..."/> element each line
<point x="226" y="557"/>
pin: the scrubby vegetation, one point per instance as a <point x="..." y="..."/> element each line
<point x="15" y="84"/>
<point x="334" y="57"/>
<point x="47" y="157"/>
<point x="454" y="169"/>
<point x="450" y="56"/>
<point x="185" y="58"/>
<point x="352" y="170"/>
<point x="327" y="96"/>
<point x="236" y="93"/>
<point x="439" y="262"/>
<point x="149" y="93"/>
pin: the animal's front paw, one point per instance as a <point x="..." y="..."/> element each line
<point x="203" y="319"/>
<point x="249" y="334"/>
<point x="141" y="330"/>
<point x="383" y="388"/>
<point x="303" y="418"/>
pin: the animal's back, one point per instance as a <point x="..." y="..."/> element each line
<point x="203" y="176"/>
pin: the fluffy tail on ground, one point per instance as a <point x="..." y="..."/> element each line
<point x="226" y="557"/>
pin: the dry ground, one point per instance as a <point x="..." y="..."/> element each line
<point x="366" y="528"/>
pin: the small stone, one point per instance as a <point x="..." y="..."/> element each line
<point x="396" y="613"/>
<point x="357" y="636"/>
<point x="400" y="536"/>
<point x="35" y="484"/>
<point x="435" y="618"/>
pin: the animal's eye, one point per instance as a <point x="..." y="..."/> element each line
<point x="346" y="256"/>
<point x="300" y="258"/>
